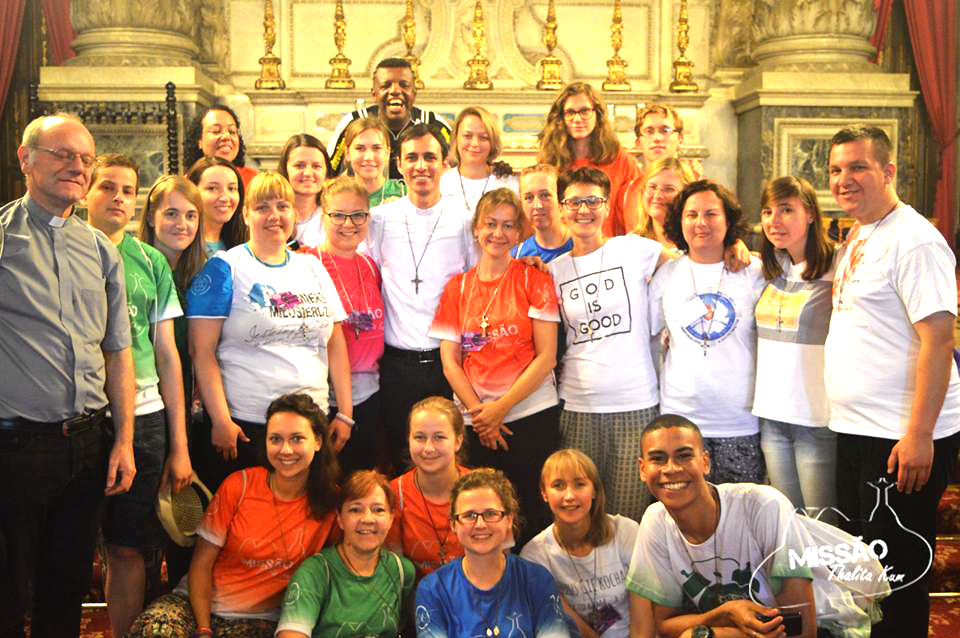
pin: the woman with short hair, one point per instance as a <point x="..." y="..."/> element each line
<point x="488" y="592"/>
<point x="357" y="587"/>
<point x="707" y="311"/>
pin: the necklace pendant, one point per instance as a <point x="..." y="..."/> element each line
<point x="484" y="324"/>
<point x="416" y="281"/>
<point x="356" y="332"/>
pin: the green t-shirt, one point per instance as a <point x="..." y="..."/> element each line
<point x="326" y="600"/>
<point x="391" y="188"/>
<point x="151" y="298"/>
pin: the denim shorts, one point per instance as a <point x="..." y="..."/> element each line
<point x="130" y="519"/>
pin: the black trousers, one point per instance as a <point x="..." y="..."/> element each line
<point x="210" y="465"/>
<point x="51" y="492"/>
<point x="361" y="450"/>
<point x="535" y="437"/>
<point x="407" y="376"/>
<point x="864" y="493"/>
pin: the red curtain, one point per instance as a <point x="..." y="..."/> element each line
<point x="933" y="35"/>
<point x="11" y="18"/>
<point x="59" y="31"/>
<point x="883" y="8"/>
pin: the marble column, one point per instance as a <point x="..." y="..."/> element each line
<point x="813" y="76"/>
<point x="795" y="35"/>
<point x="125" y="33"/>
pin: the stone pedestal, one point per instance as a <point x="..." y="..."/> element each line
<point x="813" y="77"/>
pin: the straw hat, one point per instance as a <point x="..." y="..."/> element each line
<point x="180" y="513"/>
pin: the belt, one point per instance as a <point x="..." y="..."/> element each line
<point x="67" y="427"/>
<point x="418" y="356"/>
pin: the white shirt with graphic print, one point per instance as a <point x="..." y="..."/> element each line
<point x="603" y="307"/>
<point x="710" y="366"/>
<point x="277" y="321"/>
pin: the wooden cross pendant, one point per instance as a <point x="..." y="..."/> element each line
<point x="484" y="324"/>
<point x="416" y="281"/>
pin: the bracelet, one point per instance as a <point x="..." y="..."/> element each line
<point x="202" y="631"/>
<point x="343" y="417"/>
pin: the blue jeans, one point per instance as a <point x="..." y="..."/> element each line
<point x="801" y="463"/>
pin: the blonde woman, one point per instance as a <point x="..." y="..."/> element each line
<point x="472" y="156"/>
<point x="264" y="321"/>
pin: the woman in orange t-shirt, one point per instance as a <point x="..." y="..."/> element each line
<point x="261" y="524"/>
<point x="497" y="325"/>
<point x="579" y="133"/>
<point x="421" y="523"/>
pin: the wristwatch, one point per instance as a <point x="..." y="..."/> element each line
<point x="702" y="631"/>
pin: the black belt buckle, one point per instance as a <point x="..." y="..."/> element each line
<point x="81" y="423"/>
<point x="427" y="356"/>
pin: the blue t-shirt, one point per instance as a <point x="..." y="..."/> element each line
<point x="524" y="603"/>
<point x="530" y="248"/>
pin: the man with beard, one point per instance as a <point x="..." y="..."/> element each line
<point x="394" y="92"/>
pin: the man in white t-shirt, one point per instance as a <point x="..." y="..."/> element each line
<point x="893" y="387"/>
<point x="420" y="242"/>
<point x="703" y="550"/>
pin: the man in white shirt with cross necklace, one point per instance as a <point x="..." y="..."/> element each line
<point x="420" y="242"/>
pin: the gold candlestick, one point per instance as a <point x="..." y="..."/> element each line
<point x="478" y="79"/>
<point x="550" y="79"/>
<point x="410" y="39"/>
<point x="269" y="63"/>
<point x="340" y="64"/>
<point x="616" y="66"/>
<point x="682" y="66"/>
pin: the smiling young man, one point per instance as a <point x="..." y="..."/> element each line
<point x="419" y="242"/>
<point x="130" y="526"/>
<point x="659" y="131"/>
<point x="893" y="387"/>
<point x="703" y="548"/>
<point x="394" y="92"/>
<point x="65" y="353"/>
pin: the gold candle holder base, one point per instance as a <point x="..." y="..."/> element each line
<point x="550" y="78"/>
<point x="340" y="73"/>
<point x="683" y="77"/>
<point x="270" y="74"/>
<point x="478" y="80"/>
<point x="683" y="66"/>
<point x="616" y="75"/>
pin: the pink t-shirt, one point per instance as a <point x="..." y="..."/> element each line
<point x="358" y="283"/>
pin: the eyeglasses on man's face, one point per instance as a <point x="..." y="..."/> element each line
<point x="664" y="131"/>
<point x="67" y="157"/>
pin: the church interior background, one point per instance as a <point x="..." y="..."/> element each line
<point x="761" y="84"/>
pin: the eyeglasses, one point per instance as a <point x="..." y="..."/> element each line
<point x="488" y="516"/>
<point x="653" y="189"/>
<point x="216" y="130"/>
<point x="665" y="131"/>
<point x="357" y="217"/>
<point x="573" y="204"/>
<point x="584" y="113"/>
<point x="67" y="157"/>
